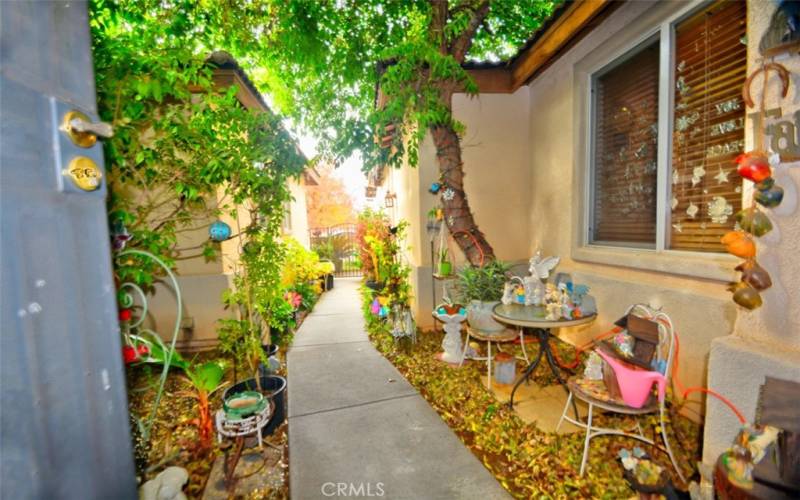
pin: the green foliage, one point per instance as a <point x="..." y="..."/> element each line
<point x="300" y="265"/>
<point x="183" y="151"/>
<point x="482" y="283"/>
<point x="381" y="254"/>
<point x="323" y="61"/>
<point x="207" y="377"/>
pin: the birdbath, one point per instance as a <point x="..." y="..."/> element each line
<point x="452" y="315"/>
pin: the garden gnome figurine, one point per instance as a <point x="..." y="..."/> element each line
<point x="452" y="315"/>
<point x="167" y="485"/>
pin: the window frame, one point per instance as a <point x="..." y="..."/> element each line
<point x="656" y="23"/>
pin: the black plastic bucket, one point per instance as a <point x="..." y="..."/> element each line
<point x="275" y="386"/>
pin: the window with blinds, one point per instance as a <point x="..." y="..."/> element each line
<point x="708" y="130"/>
<point x="625" y="149"/>
<point x="708" y="55"/>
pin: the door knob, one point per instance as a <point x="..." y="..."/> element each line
<point x="82" y="131"/>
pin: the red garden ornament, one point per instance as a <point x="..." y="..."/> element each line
<point x="129" y="354"/>
<point x="753" y="166"/>
<point x="125" y="315"/>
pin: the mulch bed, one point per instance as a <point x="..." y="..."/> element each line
<point x="525" y="460"/>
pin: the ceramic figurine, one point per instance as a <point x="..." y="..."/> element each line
<point x="540" y="267"/>
<point x="754" y="275"/>
<point x="534" y="291"/>
<point x="745" y="295"/>
<point x="553" y="311"/>
<point x="508" y="293"/>
<point x="593" y="369"/>
<point x="739" y="244"/>
<point x="770" y="197"/>
<point x="753" y="166"/>
<point x="452" y="315"/>
<point x="754" y="222"/>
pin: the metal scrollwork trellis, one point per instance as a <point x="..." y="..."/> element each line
<point x="136" y="340"/>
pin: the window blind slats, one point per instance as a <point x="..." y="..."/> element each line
<point x="708" y="126"/>
<point x="626" y="117"/>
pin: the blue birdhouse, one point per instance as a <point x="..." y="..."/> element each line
<point x="219" y="231"/>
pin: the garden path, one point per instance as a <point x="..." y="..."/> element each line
<point x="357" y="426"/>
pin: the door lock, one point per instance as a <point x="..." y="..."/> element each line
<point x="82" y="131"/>
<point x="85" y="173"/>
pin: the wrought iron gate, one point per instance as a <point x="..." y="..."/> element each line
<point x="338" y="244"/>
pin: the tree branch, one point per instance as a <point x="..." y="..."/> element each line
<point x="462" y="44"/>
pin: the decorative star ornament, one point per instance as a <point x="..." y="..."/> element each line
<point x="697" y="175"/>
<point x="448" y="194"/>
<point x="692" y="210"/>
<point x="674" y="203"/>
<point x="719" y="210"/>
<point x="722" y="176"/>
<point x="678" y="227"/>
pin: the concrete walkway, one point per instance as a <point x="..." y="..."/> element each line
<point x="358" y="428"/>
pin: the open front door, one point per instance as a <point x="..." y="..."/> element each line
<point x="63" y="410"/>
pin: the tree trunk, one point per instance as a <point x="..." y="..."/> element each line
<point x="457" y="214"/>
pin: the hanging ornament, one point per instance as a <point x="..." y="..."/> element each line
<point x="722" y="176"/>
<point x="739" y="244"/>
<point x="674" y="203"/>
<point x="719" y="209"/>
<point x="692" y="210"/>
<point x="125" y="315"/>
<point x="678" y="227"/>
<point x="375" y="307"/>
<point x="770" y="198"/>
<point x="754" y="222"/>
<point x="439" y="214"/>
<point x="448" y="194"/>
<point x="745" y="295"/>
<point x="697" y="175"/>
<point x="219" y="231"/>
<point x="451" y="221"/>
<point x="754" y="275"/>
<point x="435" y="188"/>
<point x="753" y="166"/>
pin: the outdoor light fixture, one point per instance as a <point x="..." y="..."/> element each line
<point x="389" y="201"/>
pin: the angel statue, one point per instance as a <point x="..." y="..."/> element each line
<point x="541" y="267"/>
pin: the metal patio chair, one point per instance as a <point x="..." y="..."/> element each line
<point x="665" y="351"/>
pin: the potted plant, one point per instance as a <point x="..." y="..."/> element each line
<point x="481" y="288"/>
<point x="445" y="266"/>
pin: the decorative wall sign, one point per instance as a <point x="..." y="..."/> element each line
<point x="783" y="133"/>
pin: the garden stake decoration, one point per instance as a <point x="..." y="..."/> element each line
<point x="756" y="167"/>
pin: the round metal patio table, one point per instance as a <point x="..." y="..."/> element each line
<point x="532" y="318"/>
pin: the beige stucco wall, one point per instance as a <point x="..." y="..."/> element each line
<point x="765" y="342"/>
<point x="700" y="308"/>
<point x="298" y="212"/>
<point x="496" y="180"/>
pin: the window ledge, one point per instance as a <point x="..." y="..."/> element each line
<point x="718" y="267"/>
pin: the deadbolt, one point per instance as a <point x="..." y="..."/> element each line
<point x="85" y="173"/>
<point x="82" y="131"/>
